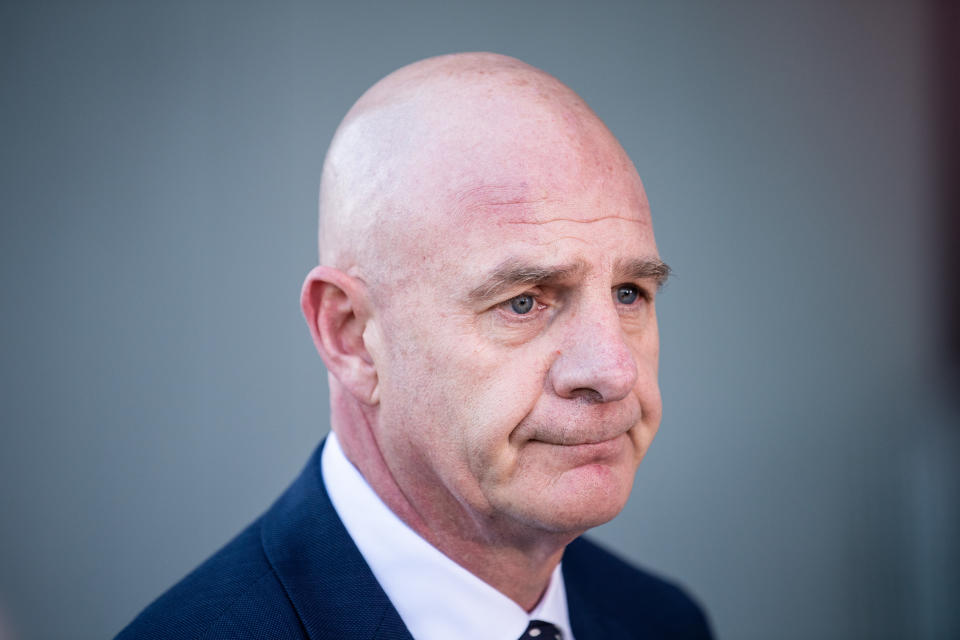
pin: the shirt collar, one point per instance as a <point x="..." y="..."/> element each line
<point x="436" y="597"/>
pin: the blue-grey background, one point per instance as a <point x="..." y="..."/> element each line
<point x="160" y="163"/>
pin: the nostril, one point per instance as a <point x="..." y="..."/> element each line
<point x="587" y="394"/>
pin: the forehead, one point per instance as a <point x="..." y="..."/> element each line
<point x="597" y="225"/>
<point x="508" y="174"/>
<point x="556" y="196"/>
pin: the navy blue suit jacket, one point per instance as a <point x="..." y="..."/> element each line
<point x="296" y="573"/>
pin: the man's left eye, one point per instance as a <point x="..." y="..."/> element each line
<point x="627" y="293"/>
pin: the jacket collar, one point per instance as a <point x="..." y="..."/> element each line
<point x="326" y="578"/>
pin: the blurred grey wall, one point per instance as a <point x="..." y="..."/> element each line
<point x="159" y="389"/>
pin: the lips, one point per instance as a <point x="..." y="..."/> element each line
<point x="578" y="426"/>
<point x="570" y="456"/>
<point x="560" y="440"/>
<point x="594" y="436"/>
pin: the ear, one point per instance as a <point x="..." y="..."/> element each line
<point x="335" y="307"/>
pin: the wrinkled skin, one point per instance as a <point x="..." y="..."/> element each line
<point x="485" y="307"/>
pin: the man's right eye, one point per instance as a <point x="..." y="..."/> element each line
<point x="522" y="304"/>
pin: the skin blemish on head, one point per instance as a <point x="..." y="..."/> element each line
<point x="587" y="220"/>
<point x="497" y="195"/>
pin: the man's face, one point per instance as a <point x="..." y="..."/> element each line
<point x="517" y="356"/>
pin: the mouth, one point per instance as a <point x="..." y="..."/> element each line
<point x="594" y="431"/>
<point x="572" y="440"/>
<point x="582" y="434"/>
<point x="579" y="452"/>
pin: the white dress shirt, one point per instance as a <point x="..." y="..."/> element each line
<point x="436" y="598"/>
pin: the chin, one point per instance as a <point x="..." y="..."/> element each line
<point x="581" y="499"/>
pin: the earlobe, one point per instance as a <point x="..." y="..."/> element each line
<point x="370" y="341"/>
<point x="334" y="305"/>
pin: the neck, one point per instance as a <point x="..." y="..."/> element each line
<point x="515" y="560"/>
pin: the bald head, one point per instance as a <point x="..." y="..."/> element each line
<point x="434" y="138"/>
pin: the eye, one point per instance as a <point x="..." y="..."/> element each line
<point x="522" y="304"/>
<point x="627" y="293"/>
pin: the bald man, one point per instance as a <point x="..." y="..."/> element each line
<point x="485" y="307"/>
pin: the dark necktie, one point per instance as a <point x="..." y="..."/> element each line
<point x="540" y="630"/>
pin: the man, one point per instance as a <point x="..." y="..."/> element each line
<point x="484" y="305"/>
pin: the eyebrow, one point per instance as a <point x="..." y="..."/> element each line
<point x="515" y="272"/>
<point x="645" y="269"/>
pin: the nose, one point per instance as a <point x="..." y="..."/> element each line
<point x="595" y="361"/>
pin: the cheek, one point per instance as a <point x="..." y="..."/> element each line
<point x="648" y="391"/>
<point x="498" y="391"/>
<point x="503" y="391"/>
<point x="462" y="395"/>
<point x="456" y="392"/>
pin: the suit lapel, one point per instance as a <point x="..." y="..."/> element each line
<point x="326" y="578"/>
<point x="585" y="605"/>
<point x="589" y="622"/>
